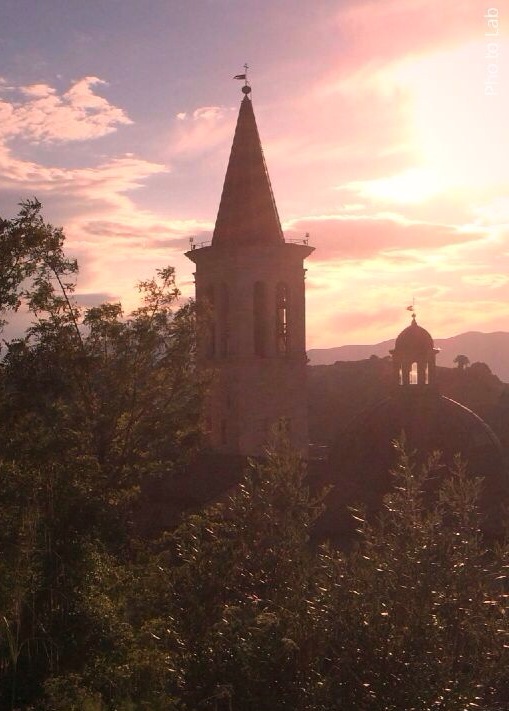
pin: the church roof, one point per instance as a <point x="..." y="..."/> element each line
<point x="363" y="453"/>
<point x="247" y="211"/>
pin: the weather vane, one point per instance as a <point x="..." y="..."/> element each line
<point x="412" y="308"/>
<point x="246" y="89"/>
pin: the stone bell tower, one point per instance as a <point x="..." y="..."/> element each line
<point x="252" y="284"/>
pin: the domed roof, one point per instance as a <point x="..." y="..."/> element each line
<point x="363" y="453"/>
<point x="414" y="338"/>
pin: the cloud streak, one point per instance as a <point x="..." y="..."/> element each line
<point x="360" y="237"/>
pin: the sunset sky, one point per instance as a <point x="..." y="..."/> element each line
<point x="385" y="126"/>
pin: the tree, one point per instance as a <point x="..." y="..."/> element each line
<point x="110" y="404"/>
<point x="462" y="361"/>
<point x="242" y="589"/>
<point x="250" y="616"/>
<point x="415" y="618"/>
<point x="218" y="615"/>
<point x="30" y="250"/>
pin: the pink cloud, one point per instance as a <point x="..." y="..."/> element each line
<point x="43" y="116"/>
<point x="361" y="122"/>
<point x="37" y="91"/>
<point x="203" y="130"/>
<point x="104" y="182"/>
<point x="347" y="237"/>
<point x="377" y="33"/>
<point x="166" y="235"/>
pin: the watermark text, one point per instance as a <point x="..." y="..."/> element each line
<point x="492" y="54"/>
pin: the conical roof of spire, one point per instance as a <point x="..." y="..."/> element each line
<point x="247" y="211"/>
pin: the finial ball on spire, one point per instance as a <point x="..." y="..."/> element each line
<point x="246" y="89"/>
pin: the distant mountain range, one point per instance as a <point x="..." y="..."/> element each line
<point x="489" y="348"/>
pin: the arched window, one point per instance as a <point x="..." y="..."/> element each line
<point x="404" y="373"/>
<point x="419" y="374"/>
<point x="260" y="318"/>
<point x="224" y="321"/>
<point x="414" y="373"/>
<point x="282" y="331"/>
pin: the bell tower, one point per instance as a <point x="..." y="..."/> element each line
<point x="252" y="284"/>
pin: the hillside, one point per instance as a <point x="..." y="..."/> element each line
<point x="489" y="348"/>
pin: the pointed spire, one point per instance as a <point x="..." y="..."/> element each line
<point x="247" y="211"/>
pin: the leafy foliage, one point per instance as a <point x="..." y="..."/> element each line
<point x="31" y="251"/>
<point x="462" y="361"/>
<point x="93" y="406"/>
<point x="236" y="608"/>
<point x="242" y="585"/>
<point x="417" y="613"/>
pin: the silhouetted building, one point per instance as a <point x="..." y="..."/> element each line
<point x="363" y="455"/>
<point x="414" y="357"/>
<point x="252" y="283"/>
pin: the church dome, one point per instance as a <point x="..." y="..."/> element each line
<point x="414" y="339"/>
<point x="364" y="454"/>
<point x="414" y="345"/>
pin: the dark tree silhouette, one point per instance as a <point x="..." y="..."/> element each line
<point x="462" y="361"/>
